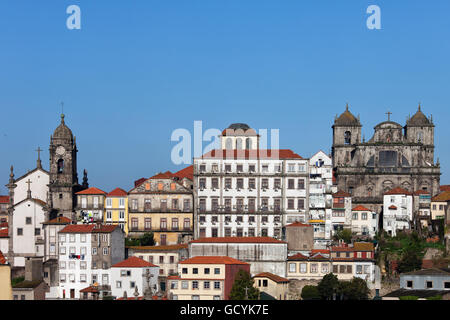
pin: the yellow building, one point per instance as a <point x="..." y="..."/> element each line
<point x="161" y="204"/>
<point x="5" y="279"/>
<point x="439" y="205"/>
<point x="116" y="209"/>
<point x="312" y="267"/>
<point x="205" y="278"/>
<point x="272" y="284"/>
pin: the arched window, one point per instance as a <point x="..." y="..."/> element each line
<point x="347" y="137"/>
<point x="248" y="144"/>
<point x="229" y="144"/>
<point x="60" y="165"/>
<point x="419" y="136"/>
<point x="239" y="143"/>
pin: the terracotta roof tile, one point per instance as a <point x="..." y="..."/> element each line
<point x="393" y="207"/>
<point x="298" y="224"/>
<point x="298" y="256"/>
<point x="238" y="240"/>
<point x="212" y="260"/>
<point x="139" y="182"/>
<point x="342" y="249"/>
<point x="418" y="192"/>
<point x="117" y="193"/>
<point x="91" y="289"/>
<point x="133" y="262"/>
<point x="360" y="208"/>
<point x="324" y="251"/>
<point x="92" y="191"/>
<point x="398" y="190"/>
<point x="59" y="220"/>
<point x="88" y="228"/>
<point x="445" y="187"/>
<point x="163" y="175"/>
<point x="187" y="172"/>
<point x="442" y="197"/>
<point x="272" y="277"/>
<point x="251" y="154"/>
<point x="2" y="258"/>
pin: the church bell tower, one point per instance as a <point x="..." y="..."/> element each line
<point x="63" y="171"/>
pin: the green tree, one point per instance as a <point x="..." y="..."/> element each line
<point x="328" y="286"/>
<point x="410" y="261"/>
<point x="310" y="293"/>
<point x="242" y="281"/>
<point x="355" y="289"/>
<point x="344" y="234"/>
<point x="147" y="239"/>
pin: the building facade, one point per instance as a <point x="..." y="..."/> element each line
<point x="116" y="209"/>
<point x="397" y="211"/>
<point x="90" y="205"/>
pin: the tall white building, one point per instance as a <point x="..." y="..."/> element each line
<point x="241" y="190"/>
<point x="320" y="196"/>
<point x="397" y="210"/>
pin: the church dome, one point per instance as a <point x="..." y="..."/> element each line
<point x="62" y="132"/>
<point x="239" y="129"/>
<point x="347" y="119"/>
<point x="418" y="120"/>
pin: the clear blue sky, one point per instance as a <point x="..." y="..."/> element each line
<point x="137" y="70"/>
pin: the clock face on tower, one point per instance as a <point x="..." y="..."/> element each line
<point x="60" y="151"/>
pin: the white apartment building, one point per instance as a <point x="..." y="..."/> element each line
<point x="86" y="253"/>
<point x="133" y="274"/>
<point x="320" y="196"/>
<point x="241" y="190"/>
<point x="341" y="216"/>
<point x="397" y="210"/>
<point x="364" y="221"/>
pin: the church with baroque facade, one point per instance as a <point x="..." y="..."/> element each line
<point x="396" y="156"/>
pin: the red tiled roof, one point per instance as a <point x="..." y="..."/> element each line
<point x="360" y="208"/>
<point x="92" y="191"/>
<point x="298" y="256"/>
<point x="59" y="220"/>
<point x="91" y="289"/>
<point x="418" y="192"/>
<point x="212" y="260"/>
<point x="4" y="233"/>
<point x="444" y="188"/>
<point x="251" y="154"/>
<point x="139" y="182"/>
<point x="2" y="258"/>
<point x="341" y="193"/>
<point x="4" y="199"/>
<point x="298" y="224"/>
<point x="393" y="207"/>
<point x="272" y="277"/>
<point x="117" y="193"/>
<point x="238" y="240"/>
<point x="161" y="175"/>
<point x="340" y="249"/>
<point x="442" y="197"/>
<point x="187" y="172"/>
<point x="324" y="251"/>
<point x="363" y="246"/>
<point x="318" y="256"/>
<point x="398" y="190"/>
<point x="133" y="262"/>
<point x="88" y="228"/>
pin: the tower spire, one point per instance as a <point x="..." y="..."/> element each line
<point x="39" y="162"/>
<point x="62" y="112"/>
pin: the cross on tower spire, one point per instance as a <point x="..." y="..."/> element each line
<point x="29" y="190"/>
<point x="39" y="163"/>
<point x="389" y="115"/>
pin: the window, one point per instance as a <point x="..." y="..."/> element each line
<point x="364" y="216"/>
<point x="277" y="184"/>
<point x="291" y="204"/>
<point x="83" y="265"/>
<point x="429" y="284"/>
<point x="301" y="204"/>
<point x="349" y="269"/>
<point x="228" y="168"/>
<point x="186" y="205"/>
<point x="62" y="265"/>
<point x="82" y="277"/>
<point x="172" y="259"/>
<point x="251" y="183"/>
<point x="206" y="284"/>
<point x="292" y="267"/>
<point x="174" y="285"/>
<point x="355" y="216"/>
<point x="196" y="297"/>
<point x="239" y="168"/>
<point x="187" y="224"/>
<point x="251" y="232"/>
<point x="174" y="204"/>
<point x="161" y="259"/>
<point x="313" y="267"/>
<point x="216" y="270"/>
<point x="359" y="269"/>
<point x="291" y="184"/>
<point x="265" y="283"/>
<point x="37" y="231"/>
<point x="291" y="167"/>
<point x="19" y="231"/>
<point x="62" y="238"/>
<point x="195" y="270"/>
<point x="118" y="284"/>
<point x="184" y="270"/>
<point x="303" y="267"/>
<point x="194" y="284"/>
<point x="206" y="271"/>
<point x="264" y="232"/>
<point x="301" y="184"/>
<point x="62" y="277"/>
<point x="216" y="284"/>
<point x="132" y="284"/>
<point x="265" y="183"/>
<point x="215" y="183"/>
<point x="265" y="168"/>
<point x="163" y="223"/>
<point x="174" y="223"/>
<point x="251" y="168"/>
<point x="184" y="284"/>
<point x="228" y="183"/>
<point x="447" y="285"/>
<point x="94" y="251"/>
<point x="347" y="137"/>
<point x="105" y="251"/>
<point x="240" y="183"/>
<point x="324" y="267"/>
<point x="28" y="220"/>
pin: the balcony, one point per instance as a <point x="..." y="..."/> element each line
<point x="159" y="210"/>
<point x="90" y="207"/>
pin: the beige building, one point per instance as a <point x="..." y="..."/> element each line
<point x="163" y="205"/>
<point x="272" y="284"/>
<point x="312" y="267"/>
<point x="440" y="206"/>
<point x="5" y="279"/>
<point x="300" y="236"/>
<point x="205" y="278"/>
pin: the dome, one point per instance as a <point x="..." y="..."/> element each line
<point x="62" y="132"/>
<point x="239" y="129"/>
<point x="347" y="119"/>
<point x="236" y="126"/>
<point x="418" y="120"/>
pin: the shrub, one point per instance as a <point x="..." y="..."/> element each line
<point x="408" y="298"/>
<point x="310" y="293"/>
<point x="438" y="297"/>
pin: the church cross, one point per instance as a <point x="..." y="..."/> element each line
<point x="389" y="115"/>
<point x="39" y="152"/>
<point x="29" y="182"/>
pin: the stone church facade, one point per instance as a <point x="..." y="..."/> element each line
<point x="395" y="156"/>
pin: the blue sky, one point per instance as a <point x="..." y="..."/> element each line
<point x="137" y="70"/>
